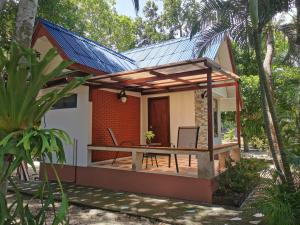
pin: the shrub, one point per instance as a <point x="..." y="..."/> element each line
<point x="279" y="205"/>
<point x="259" y="143"/>
<point x="242" y="177"/>
<point x="229" y="135"/>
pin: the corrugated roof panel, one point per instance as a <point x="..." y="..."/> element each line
<point x="163" y="50"/>
<point x="152" y="52"/>
<point x="165" y="59"/>
<point x="94" y="55"/>
<point x="171" y="51"/>
<point x="87" y="52"/>
<point x="154" y="61"/>
<point x="145" y="63"/>
<point x="186" y="56"/>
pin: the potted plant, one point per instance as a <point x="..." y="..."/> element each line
<point x="149" y="136"/>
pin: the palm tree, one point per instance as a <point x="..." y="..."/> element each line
<point x="244" y="21"/>
<point x="27" y="10"/>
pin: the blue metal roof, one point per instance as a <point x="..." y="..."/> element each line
<point x="87" y="52"/>
<point x="172" y="51"/>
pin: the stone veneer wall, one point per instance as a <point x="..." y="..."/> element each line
<point x="201" y="117"/>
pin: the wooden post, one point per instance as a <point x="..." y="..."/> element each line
<point x="238" y="116"/>
<point x="236" y="154"/>
<point x="137" y="158"/>
<point x="206" y="167"/>
<point x="209" y="116"/>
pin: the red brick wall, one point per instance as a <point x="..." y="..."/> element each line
<point x="123" y="118"/>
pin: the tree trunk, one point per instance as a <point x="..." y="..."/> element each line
<point x="297" y="4"/>
<point x="25" y="22"/>
<point x="269" y="57"/>
<point x="268" y="130"/>
<point x="245" y="141"/>
<point x="265" y="91"/>
<point x="2" y="2"/>
<point x="268" y="71"/>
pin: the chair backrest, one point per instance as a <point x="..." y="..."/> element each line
<point x="113" y="137"/>
<point x="187" y="137"/>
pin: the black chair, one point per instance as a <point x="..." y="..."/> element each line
<point x="151" y="155"/>
<point x="187" y="138"/>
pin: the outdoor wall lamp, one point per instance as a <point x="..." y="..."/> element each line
<point x="204" y="95"/>
<point x="122" y="96"/>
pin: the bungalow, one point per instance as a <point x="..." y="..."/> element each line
<point x="159" y="87"/>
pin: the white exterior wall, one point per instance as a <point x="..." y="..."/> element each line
<point x="43" y="45"/>
<point x="223" y="57"/>
<point x="77" y="122"/>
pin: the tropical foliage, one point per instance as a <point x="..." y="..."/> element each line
<point x="278" y="204"/>
<point x="22" y="76"/>
<point x="242" y="177"/>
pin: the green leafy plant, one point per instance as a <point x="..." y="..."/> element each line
<point x="22" y="76"/>
<point x="229" y="135"/>
<point x="242" y="177"/>
<point x="149" y="135"/>
<point x="259" y="143"/>
<point x="279" y="205"/>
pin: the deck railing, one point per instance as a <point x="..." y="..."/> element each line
<point x="205" y="166"/>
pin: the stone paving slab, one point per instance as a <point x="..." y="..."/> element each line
<point x="160" y="209"/>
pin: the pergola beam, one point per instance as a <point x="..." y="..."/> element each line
<point x="147" y="69"/>
<point x="159" y="76"/>
<point x="192" y="81"/>
<point x="180" y="88"/>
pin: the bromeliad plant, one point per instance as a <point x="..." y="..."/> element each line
<point x="22" y="76"/>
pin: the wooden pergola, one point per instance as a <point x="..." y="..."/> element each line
<point x="187" y="75"/>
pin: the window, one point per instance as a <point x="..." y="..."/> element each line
<point x="67" y="102"/>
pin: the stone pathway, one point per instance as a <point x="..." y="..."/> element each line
<point x="161" y="210"/>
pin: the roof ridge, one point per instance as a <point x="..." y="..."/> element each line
<point x="167" y="42"/>
<point x="56" y="26"/>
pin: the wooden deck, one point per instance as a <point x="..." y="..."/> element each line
<point x="195" y="183"/>
<point x="163" y="168"/>
<point x="202" y="165"/>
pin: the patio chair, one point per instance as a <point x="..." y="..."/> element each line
<point x="113" y="137"/>
<point x="187" y="138"/>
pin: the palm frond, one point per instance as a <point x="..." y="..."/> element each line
<point x="136" y="4"/>
<point x="211" y="36"/>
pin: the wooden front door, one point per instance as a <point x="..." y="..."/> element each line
<point x="159" y="119"/>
